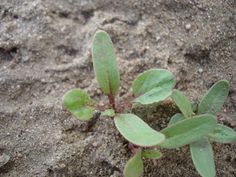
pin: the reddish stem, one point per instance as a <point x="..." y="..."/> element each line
<point x="133" y="148"/>
<point x="112" y="101"/>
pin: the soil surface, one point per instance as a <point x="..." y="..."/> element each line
<point x="45" y="51"/>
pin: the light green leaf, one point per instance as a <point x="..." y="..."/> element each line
<point x="153" y="78"/>
<point x="104" y="63"/>
<point x="222" y="134"/>
<point x="78" y="103"/>
<point x="188" y="130"/>
<point x="175" y="118"/>
<point x="153" y="85"/>
<point x="153" y="96"/>
<point x="215" y="97"/>
<point x="151" y="154"/>
<point x="136" y="131"/>
<point x="108" y="112"/>
<point x="134" y="167"/>
<point x="183" y="103"/>
<point x="203" y="157"/>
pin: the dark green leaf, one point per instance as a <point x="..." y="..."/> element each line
<point x="183" y="103"/>
<point x="188" y="130"/>
<point x="151" y="154"/>
<point x="203" y="157"/>
<point x="175" y="118"/>
<point x="214" y="99"/>
<point x="153" y="85"/>
<point x="222" y="134"/>
<point x="104" y="62"/>
<point x="136" y="131"/>
<point x="78" y="103"/>
<point x="134" y="167"/>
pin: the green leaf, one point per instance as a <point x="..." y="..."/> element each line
<point x="194" y="106"/>
<point x="104" y="63"/>
<point x="203" y="157"/>
<point x="153" y="78"/>
<point x="151" y="154"/>
<point x="175" y="118"/>
<point x="215" y="97"/>
<point x="136" y="131"/>
<point x="183" y="103"/>
<point x="108" y="112"/>
<point x="188" y="130"/>
<point x="153" y="85"/>
<point x="222" y="134"/>
<point x="134" y="167"/>
<point x="78" y="103"/>
<point x="155" y="95"/>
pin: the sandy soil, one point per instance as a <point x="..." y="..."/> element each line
<point x="45" y="51"/>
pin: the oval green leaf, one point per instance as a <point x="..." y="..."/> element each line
<point x="203" y="157"/>
<point x="153" y="96"/>
<point x="151" y="154"/>
<point x="78" y="103"/>
<point x="188" y="130"/>
<point x="153" y="78"/>
<point x="222" y="134"/>
<point x="183" y="103"/>
<point x="104" y="63"/>
<point x="136" y="131"/>
<point x="109" y="112"/>
<point x="153" y="85"/>
<point x="175" y="118"/>
<point x="134" y="167"/>
<point x="215" y="97"/>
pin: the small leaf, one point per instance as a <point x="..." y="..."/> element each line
<point x="188" y="130"/>
<point x="153" y="85"/>
<point x="203" y="157"/>
<point x="78" y="103"/>
<point x="104" y="63"/>
<point x="222" y="134"/>
<point x="134" y="167"/>
<point x="183" y="103"/>
<point x="136" y="131"/>
<point x="151" y="154"/>
<point x="175" y="118"/>
<point x="215" y="97"/>
<point x="109" y="112"/>
<point x="155" y="95"/>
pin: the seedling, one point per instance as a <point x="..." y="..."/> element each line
<point x="210" y="104"/>
<point x="152" y="86"/>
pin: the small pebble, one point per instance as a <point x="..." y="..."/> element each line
<point x="61" y="166"/>
<point x="95" y="144"/>
<point x="188" y="26"/>
<point x="200" y="70"/>
<point x="19" y="155"/>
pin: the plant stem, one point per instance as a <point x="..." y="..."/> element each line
<point x="133" y="148"/>
<point x="112" y="101"/>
